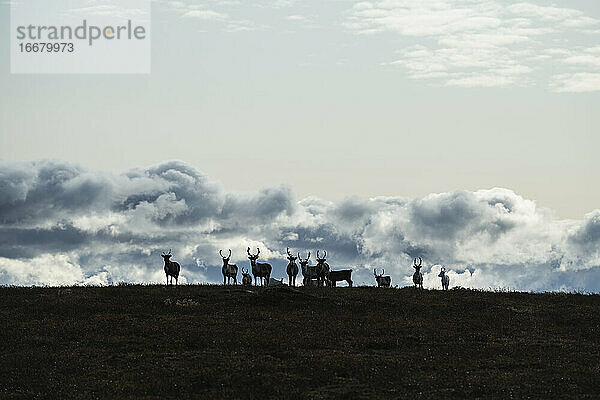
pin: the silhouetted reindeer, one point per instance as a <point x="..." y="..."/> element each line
<point x="259" y="270"/>
<point x="418" y="276"/>
<point x="322" y="269"/>
<point x="382" y="281"/>
<point x="276" y="282"/>
<point x="336" y="276"/>
<point x="309" y="272"/>
<point x="171" y="267"/>
<point x="246" y="278"/>
<point x="292" y="268"/>
<point x="229" y="270"/>
<point x="445" y="279"/>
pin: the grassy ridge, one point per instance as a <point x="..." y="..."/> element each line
<point x="157" y="342"/>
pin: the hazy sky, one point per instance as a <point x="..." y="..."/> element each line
<point x="337" y="98"/>
<point x="467" y="129"/>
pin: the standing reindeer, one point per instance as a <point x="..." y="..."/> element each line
<point x="445" y="279"/>
<point x="340" y="275"/>
<point x="308" y="271"/>
<point x="259" y="270"/>
<point x="229" y="270"/>
<point x="382" y="281"/>
<point x="171" y="267"/>
<point x="292" y="268"/>
<point x="246" y="278"/>
<point x="322" y="269"/>
<point x="418" y="276"/>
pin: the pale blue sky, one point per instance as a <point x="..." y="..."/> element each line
<point x="337" y="98"/>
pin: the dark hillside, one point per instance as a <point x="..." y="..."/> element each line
<point x="156" y="342"/>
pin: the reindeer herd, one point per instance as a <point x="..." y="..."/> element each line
<point x="320" y="274"/>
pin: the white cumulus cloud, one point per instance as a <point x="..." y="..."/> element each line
<point x="62" y="224"/>
<point x="483" y="43"/>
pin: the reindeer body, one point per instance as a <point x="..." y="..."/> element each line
<point x="229" y="271"/>
<point x="292" y="268"/>
<point x="276" y="282"/>
<point x="382" y="281"/>
<point x="171" y="268"/>
<point x="309" y="272"/>
<point x="259" y="270"/>
<point x="246" y="278"/>
<point x="339" y="275"/>
<point x="322" y="269"/>
<point x="292" y="272"/>
<point x="418" y="276"/>
<point x="445" y="279"/>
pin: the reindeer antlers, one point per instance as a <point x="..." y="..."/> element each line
<point x="221" y="254"/>
<point x="307" y="258"/>
<point x="288" y="251"/>
<point x="324" y="255"/>
<point x="253" y="255"/>
<point x="415" y="262"/>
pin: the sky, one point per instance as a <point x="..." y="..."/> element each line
<point x="464" y="132"/>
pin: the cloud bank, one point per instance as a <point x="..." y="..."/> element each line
<point x="61" y="224"/>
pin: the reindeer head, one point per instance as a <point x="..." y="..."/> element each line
<point x="417" y="266"/>
<point x="253" y="257"/>
<point x="302" y="262"/>
<point x="291" y="256"/>
<point x="321" y="260"/>
<point x="166" y="256"/>
<point x="378" y="276"/>
<point x="225" y="259"/>
<point x="442" y="272"/>
<point x="245" y="273"/>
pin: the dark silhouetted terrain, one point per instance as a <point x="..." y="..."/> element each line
<point x="155" y="342"/>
